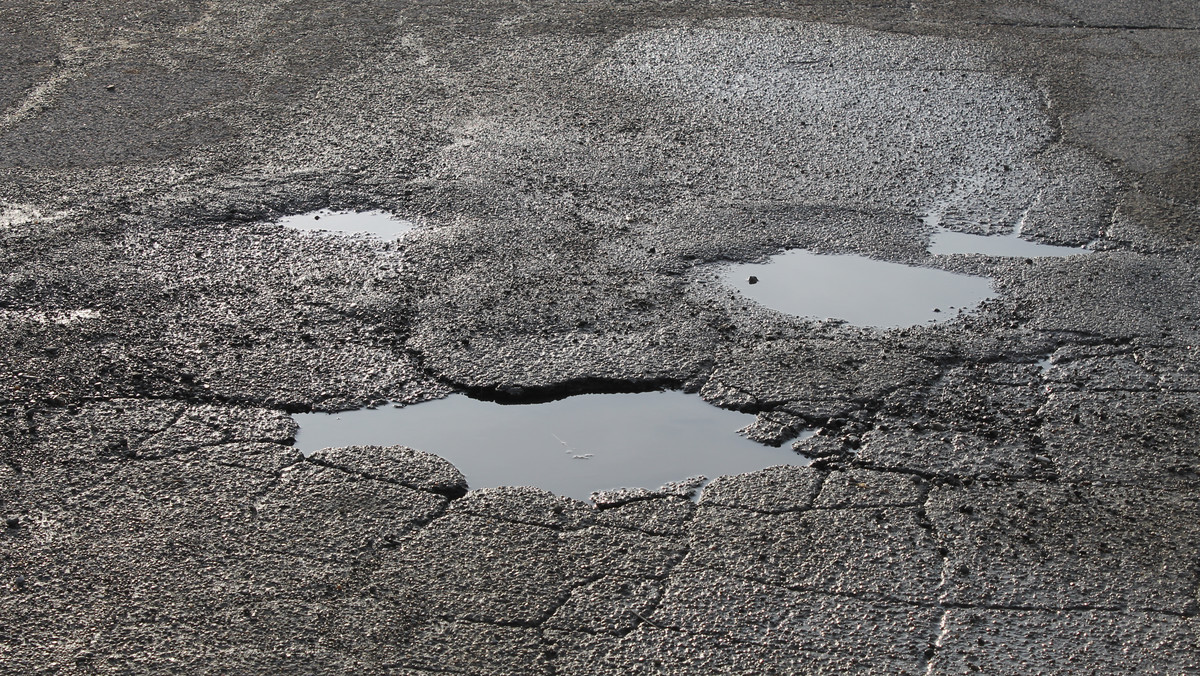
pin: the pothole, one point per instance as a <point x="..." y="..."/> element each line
<point x="868" y="292"/>
<point x="374" y="224"/>
<point x="571" y="447"/>
<point x="860" y="290"/>
<point x="946" y="242"/>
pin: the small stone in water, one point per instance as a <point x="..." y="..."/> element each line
<point x="752" y="279"/>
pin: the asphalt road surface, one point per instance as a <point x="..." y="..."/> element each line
<point x="575" y="169"/>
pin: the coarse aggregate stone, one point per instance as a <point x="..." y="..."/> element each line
<point x="1035" y="545"/>
<point x="840" y="551"/>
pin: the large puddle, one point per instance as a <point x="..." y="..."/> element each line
<point x="375" y="224"/>
<point x="571" y="447"/>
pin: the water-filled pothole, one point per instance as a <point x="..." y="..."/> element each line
<point x="862" y="291"/>
<point x="570" y="447"/>
<point x="868" y="292"/>
<point x="950" y="242"/>
<point x="376" y="224"/>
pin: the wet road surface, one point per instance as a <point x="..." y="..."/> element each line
<point x="576" y="171"/>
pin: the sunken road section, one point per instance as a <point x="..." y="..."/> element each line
<point x="576" y="171"/>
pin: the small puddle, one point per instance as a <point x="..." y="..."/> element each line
<point x="570" y="447"/>
<point x="860" y="290"/>
<point x="376" y="224"/>
<point x="946" y="242"/>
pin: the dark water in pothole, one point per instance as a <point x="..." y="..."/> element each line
<point x="862" y="291"/>
<point x="950" y="242"/>
<point x="376" y="224"/>
<point x="570" y="447"/>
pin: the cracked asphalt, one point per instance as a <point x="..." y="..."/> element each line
<point x="1011" y="492"/>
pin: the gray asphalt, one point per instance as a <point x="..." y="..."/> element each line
<point x="575" y="170"/>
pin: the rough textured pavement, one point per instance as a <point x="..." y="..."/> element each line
<point x="576" y="169"/>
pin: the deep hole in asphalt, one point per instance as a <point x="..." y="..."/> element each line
<point x="570" y="447"/>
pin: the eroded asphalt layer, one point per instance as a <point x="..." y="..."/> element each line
<point x="573" y="169"/>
